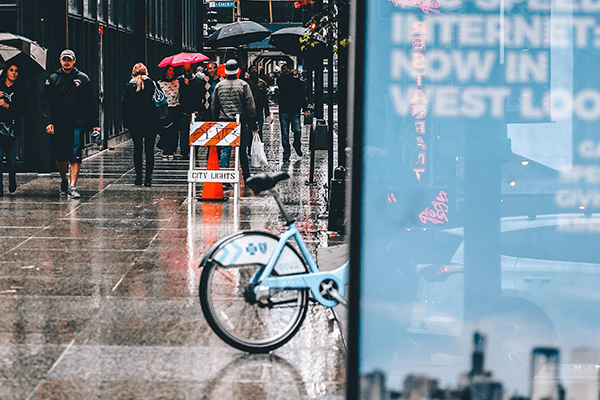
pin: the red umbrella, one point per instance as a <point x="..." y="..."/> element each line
<point x="182" y="58"/>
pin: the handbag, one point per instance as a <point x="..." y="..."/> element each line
<point x="257" y="151"/>
<point x="7" y="131"/>
<point x="160" y="101"/>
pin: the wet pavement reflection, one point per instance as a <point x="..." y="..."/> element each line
<point x="99" y="296"/>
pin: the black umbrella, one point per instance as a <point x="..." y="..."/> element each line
<point x="30" y="56"/>
<point x="288" y="41"/>
<point x="237" y="33"/>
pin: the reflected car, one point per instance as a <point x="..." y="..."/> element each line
<point x="550" y="277"/>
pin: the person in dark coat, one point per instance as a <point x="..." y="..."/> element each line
<point x="68" y="109"/>
<point x="191" y="101"/>
<point x="169" y="136"/>
<point x="292" y="100"/>
<point x="140" y="117"/>
<point x="261" y="100"/>
<point x="12" y="105"/>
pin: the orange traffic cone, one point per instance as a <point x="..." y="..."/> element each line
<point x="212" y="190"/>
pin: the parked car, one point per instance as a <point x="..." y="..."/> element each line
<point x="550" y="280"/>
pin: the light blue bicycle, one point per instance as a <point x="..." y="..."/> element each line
<point x="254" y="288"/>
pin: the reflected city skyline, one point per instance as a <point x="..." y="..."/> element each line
<point x="548" y="379"/>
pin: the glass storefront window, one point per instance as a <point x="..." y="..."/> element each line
<point x="88" y="8"/>
<point x="111" y="12"/>
<point x="75" y="7"/>
<point x="101" y="4"/>
<point x="480" y="213"/>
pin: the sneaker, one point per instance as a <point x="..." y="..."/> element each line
<point x="64" y="187"/>
<point x="73" y="193"/>
<point x="298" y="149"/>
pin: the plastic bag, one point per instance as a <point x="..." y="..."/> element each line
<point x="257" y="151"/>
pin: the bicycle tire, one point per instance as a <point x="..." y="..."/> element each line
<point x="253" y="328"/>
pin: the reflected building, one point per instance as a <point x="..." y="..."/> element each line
<point x="478" y="383"/>
<point x="545" y="384"/>
<point x="584" y="374"/>
<point x="373" y="386"/>
<point x="420" y="387"/>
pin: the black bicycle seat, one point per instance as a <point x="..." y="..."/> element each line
<point x="261" y="182"/>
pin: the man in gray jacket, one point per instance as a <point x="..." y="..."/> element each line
<point x="233" y="97"/>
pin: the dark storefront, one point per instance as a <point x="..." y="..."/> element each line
<point x="108" y="37"/>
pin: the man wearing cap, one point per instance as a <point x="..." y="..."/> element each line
<point x="291" y="101"/>
<point x="68" y="109"/>
<point x="232" y="97"/>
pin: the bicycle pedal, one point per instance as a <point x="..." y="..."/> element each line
<point x="337" y="296"/>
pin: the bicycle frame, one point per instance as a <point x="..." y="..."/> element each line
<point x="311" y="281"/>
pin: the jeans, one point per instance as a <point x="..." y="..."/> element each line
<point x="9" y="150"/>
<point x="144" y="138"/>
<point x="245" y="143"/>
<point x="169" y="137"/>
<point x="285" y="119"/>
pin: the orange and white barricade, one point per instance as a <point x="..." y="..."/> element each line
<point x="212" y="134"/>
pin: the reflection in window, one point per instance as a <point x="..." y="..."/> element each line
<point x="87" y="8"/>
<point x="130" y="18"/>
<point x="111" y="12"/>
<point x="151" y="23"/>
<point x="75" y="7"/>
<point x="101" y="4"/>
<point x="549" y="244"/>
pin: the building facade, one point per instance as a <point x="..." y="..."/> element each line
<point x="108" y="37"/>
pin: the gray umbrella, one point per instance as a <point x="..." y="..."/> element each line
<point x="30" y="56"/>
<point x="288" y="41"/>
<point x="237" y="33"/>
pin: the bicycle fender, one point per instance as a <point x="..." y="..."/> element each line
<point x="218" y="243"/>
<point x="247" y="247"/>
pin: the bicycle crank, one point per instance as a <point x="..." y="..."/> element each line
<point x="329" y="291"/>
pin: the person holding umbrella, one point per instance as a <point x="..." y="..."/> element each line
<point x="191" y="99"/>
<point x="170" y="87"/>
<point x="12" y="105"/>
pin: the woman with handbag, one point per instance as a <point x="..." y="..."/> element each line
<point x="140" y="117"/>
<point x="12" y="104"/>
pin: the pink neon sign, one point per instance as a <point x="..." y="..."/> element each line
<point x="418" y="101"/>
<point x="438" y="214"/>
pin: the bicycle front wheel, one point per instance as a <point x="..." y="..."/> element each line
<point x="228" y="300"/>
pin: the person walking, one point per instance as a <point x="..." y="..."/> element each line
<point x="140" y="117"/>
<point x="170" y="87"/>
<point x="12" y="106"/>
<point x="211" y="80"/>
<point x="261" y="100"/>
<point x="233" y="97"/>
<point x="291" y="101"/>
<point x="191" y="100"/>
<point x="68" y="109"/>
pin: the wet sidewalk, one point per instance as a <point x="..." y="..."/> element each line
<point x="99" y="296"/>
